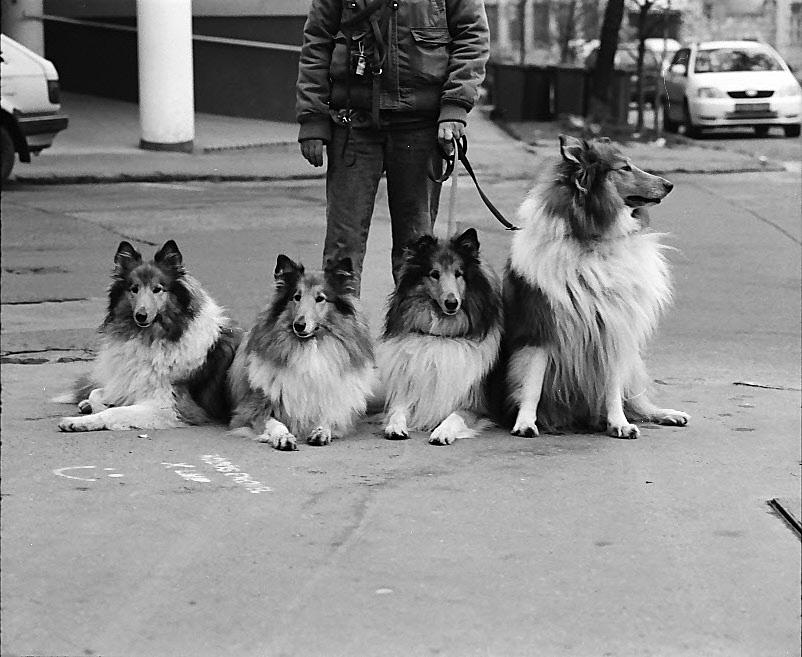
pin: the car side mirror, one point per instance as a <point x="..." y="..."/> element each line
<point x="679" y="69"/>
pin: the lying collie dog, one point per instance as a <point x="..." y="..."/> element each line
<point x="306" y="367"/>
<point x="165" y="350"/>
<point x="583" y="290"/>
<point x="441" y="339"/>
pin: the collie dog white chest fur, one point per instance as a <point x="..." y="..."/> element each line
<point x="165" y="349"/>
<point x="441" y="340"/>
<point x="306" y="367"/>
<point x="583" y="291"/>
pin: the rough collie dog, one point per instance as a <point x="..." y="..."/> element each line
<point x="307" y="367"/>
<point x="441" y="340"/>
<point x="165" y="350"/>
<point x="583" y="290"/>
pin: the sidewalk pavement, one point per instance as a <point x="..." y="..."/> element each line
<point x="101" y="145"/>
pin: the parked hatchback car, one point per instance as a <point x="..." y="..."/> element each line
<point x="31" y="107"/>
<point x="731" y="83"/>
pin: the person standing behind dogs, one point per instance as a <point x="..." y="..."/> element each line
<point x="379" y="83"/>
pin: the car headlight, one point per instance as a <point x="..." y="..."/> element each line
<point x="710" y="92"/>
<point x="789" y="90"/>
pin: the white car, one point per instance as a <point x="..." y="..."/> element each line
<point x="31" y="107"/>
<point x="731" y="83"/>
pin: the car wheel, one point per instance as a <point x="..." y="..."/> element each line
<point x="7" y="152"/>
<point x="691" y="130"/>
<point x="761" y="130"/>
<point x="792" y="130"/>
<point x="668" y="124"/>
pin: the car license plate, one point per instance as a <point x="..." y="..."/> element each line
<point x="751" y="107"/>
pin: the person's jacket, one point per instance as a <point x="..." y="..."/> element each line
<point x="436" y="51"/>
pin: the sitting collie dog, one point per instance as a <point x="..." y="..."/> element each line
<point x="441" y="340"/>
<point x="583" y="290"/>
<point x="165" y="350"/>
<point x="306" y="367"/>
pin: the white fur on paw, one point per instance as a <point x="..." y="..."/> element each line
<point x="74" y="424"/>
<point x="525" y="427"/>
<point x="450" y="430"/>
<point x="319" y="437"/>
<point x="623" y="430"/>
<point x="281" y="440"/>
<point x="396" y="428"/>
<point x="671" y="417"/>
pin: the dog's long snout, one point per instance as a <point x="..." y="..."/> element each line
<point x="299" y="325"/>
<point x="141" y="317"/>
<point x="451" y="303"/>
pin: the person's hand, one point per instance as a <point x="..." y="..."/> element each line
<point x="312" y="150"/>
<point x="448" y="130"/>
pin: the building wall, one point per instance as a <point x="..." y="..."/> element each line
<point x="234" y="80"/>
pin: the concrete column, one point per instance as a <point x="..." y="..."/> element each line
<point x="503" y="26"/>
<point x="529" y="27"/>
<point x="27" y="31"/>
<point x="166" y="88"/>
<point x="782" y="26"/>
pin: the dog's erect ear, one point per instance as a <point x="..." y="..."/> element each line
<point x="422" y="244"/>
<point x="127" y="257"/>
<point x="571" y="148"/>
<point x="342" y="273"/>
<point x="286" y="268"/>
<point x="169" y="256"/>
<point x="468" y="241"/>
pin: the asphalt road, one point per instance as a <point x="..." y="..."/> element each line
<point x="193" y="542"/>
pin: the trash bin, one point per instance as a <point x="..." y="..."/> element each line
<point x="521" y="92"/>
<point x="619" y="97"/>
<point x="570" y="90"/>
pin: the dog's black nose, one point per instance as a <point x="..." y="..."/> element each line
<point x="451" y="305"/>
<point x="668" y="186"/>
<point x="299" y="325"/>
<point x="141" y="318"/>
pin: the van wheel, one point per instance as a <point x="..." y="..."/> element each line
<point x="668" y="124"/>
<point x="7" y="152"/>
<point x="792" y="130"/>
<point x="690" y="129"/>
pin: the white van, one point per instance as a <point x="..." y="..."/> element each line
<point x="31" y="107"/>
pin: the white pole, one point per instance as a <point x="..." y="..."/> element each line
<point x="166" y="88"/>
<point x="27" y="31"/>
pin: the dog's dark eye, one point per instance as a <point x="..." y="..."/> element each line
<point x="134" y="288"/>
<point x="434" y="274"/>
<point x="320" y="298"/>
<point x="297" y="296"/>
<point x="157" y="289"/>
<point x="626" y="167"/>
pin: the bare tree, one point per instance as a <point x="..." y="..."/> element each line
<point x="605" y="62"/>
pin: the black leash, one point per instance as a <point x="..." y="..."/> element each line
<point x="460" y="152"/>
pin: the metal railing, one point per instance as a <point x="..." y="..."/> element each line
<point x="226" y="41"/>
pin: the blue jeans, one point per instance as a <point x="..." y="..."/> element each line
<point x="404" y="154"/>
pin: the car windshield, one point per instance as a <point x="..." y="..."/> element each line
<point x="730" y="60"/>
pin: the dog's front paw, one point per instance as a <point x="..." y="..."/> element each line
<point x="450" y="430"/>
<point x="283" y="441"/>
<point x="623" y="430"/>
<point x="525" y="429"/>
<point x="396" y="428"/>
<point x="74" y="424"/>
<point x="671" y="417"/>
<point x="319" y="437"/>
<point x="85" y="407"/>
